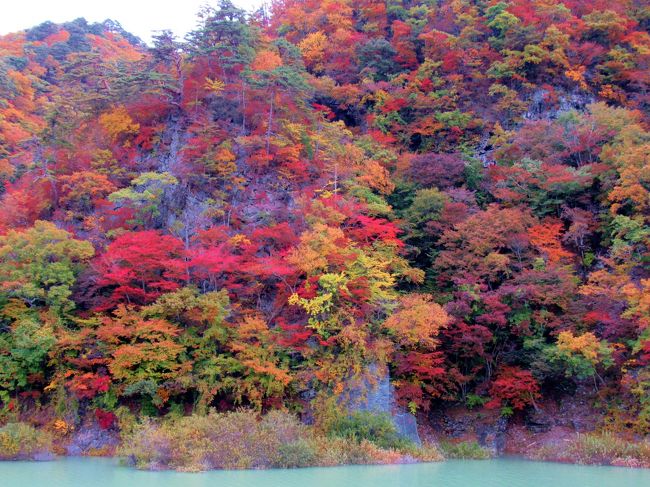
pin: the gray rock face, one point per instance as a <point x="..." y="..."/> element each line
<point x="89" y="439"/>
<point x="43" y="457"/>
<point x="539" y="421"/>
<point x="375" y="393"/>
<point x="452" y="427"/>
<point x="493" y="436"/>
<point x="540" y="110"/>
<point x="489" y="430"/>
<point x="407" y="426"/>
<point x="372" y="392"/>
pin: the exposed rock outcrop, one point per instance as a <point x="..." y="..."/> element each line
<point x="92" y="440"/>
<point x="374" y="392"/>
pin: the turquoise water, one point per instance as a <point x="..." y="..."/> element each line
<point x="89" y="472"/>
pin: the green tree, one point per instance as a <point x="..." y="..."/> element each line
<point x="24" y="349"/>
<point x="145" y="195"/>
<point x="39" y="266"/>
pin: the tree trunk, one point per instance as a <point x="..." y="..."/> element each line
<point x="268" y="129"/>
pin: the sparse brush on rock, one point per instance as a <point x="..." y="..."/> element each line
<point x="597" y="448"/>
<point x="607" y="448"/>
<point x="464" y="450"/>
<point x="376" y="428"/>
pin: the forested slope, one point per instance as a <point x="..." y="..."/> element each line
<point x="254" y="215"/>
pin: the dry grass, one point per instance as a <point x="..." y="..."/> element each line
<point x="21" y="441"/>
<point x="608" y="448"/>
<point x="470" y="450"/>
<point x="242" y="440"/>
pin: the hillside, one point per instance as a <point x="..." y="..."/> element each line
<point x="286" y="202"/>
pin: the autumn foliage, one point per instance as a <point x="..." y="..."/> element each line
<point x="260" y="213"/>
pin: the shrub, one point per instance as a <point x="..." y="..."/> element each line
<point x="606" y="448"/>
<point x="21" y="441"/>
<point x="300" y="453"/>
<point x="234" y="440"/>
<point x="473" y="400"/>
<point x="513" y="389"/>
<point x="544" y="453"/>
<point x="376" y="428"/>
<point x="425" y="453"/>
<point x="242" y="439"/>
<point x="465" y="450"/>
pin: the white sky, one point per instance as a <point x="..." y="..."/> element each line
<point x="140" y="17"/>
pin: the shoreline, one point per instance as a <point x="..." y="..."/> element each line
<point x="245" y="439"/>
<point x="543" y="453"/>
<point x="120" y="461"/>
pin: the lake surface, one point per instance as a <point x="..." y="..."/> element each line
<point x="93" y="472"/>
